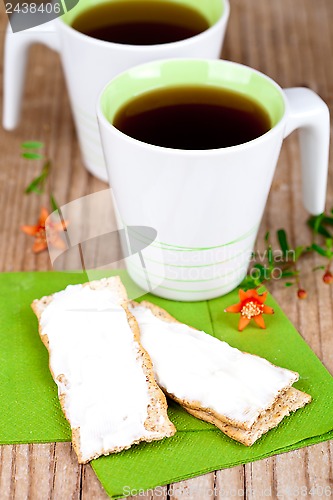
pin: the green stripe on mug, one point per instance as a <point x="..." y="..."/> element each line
<point x="176" y="248"/>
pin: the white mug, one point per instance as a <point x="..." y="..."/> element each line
<point x="206" y="205"/>
<point x="90" y="63"/>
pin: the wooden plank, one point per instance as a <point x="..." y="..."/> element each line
<point x="91" y="488"/>
<point x="6" y="471"/>
<point x="41" y="470"/>
<point x="66" y="473"/>
<point x="230" y="483"/>
<point x="20" y="472"/>
<point x="196" y="488"/>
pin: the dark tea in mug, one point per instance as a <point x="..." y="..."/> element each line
<point x="193" y="118"/>
<point x="141" y="23"/>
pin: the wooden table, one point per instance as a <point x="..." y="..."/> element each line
<point x="291" y="41"/>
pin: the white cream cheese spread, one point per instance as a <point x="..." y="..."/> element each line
<point x="92" y="346"/>
<point x="194" y="366"/>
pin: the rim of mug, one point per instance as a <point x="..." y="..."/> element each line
<point x="122" y="46"/>
<point x="197" y="152"/>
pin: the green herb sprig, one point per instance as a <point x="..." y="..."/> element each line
<point x="283" y="263"/>
<point x="32" y="150"/>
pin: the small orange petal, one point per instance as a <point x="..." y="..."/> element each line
<point x="43" y="216"/>
<point x="260" y="321"/>
<point x="242" y="295"/>
<point x="243" y="322"/>
<point x="236" y="308"/>
<point x="31" y="230"/>
<point x="262" y="297"/>
<point x="268" y="310"/>
<point x="39" y="246"/>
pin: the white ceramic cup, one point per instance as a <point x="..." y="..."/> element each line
<point x="206" y="205"/>
<point x="90" y="63"/>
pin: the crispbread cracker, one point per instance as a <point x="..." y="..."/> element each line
<point x="286" y="401"/>
<point x="157" y="423"/>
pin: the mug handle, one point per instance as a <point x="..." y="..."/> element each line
<point x="17" y="47"/>
<point x="308" y="112"/>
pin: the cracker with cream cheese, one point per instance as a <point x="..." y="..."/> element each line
<point x="286" y="403"/>
<point x="104" y="376"/>
<point x="242" y="394"/>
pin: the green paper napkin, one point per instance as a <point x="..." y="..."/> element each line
<point x="30" y="411"/>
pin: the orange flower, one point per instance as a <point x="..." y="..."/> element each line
<point x="251" y="306"/>
<point x="39" y="232"/>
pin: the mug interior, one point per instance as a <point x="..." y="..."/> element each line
<point x="212" y="10"/>
<point x="177" y="72"/>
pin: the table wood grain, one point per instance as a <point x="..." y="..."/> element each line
<point x="291" y="41"/>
